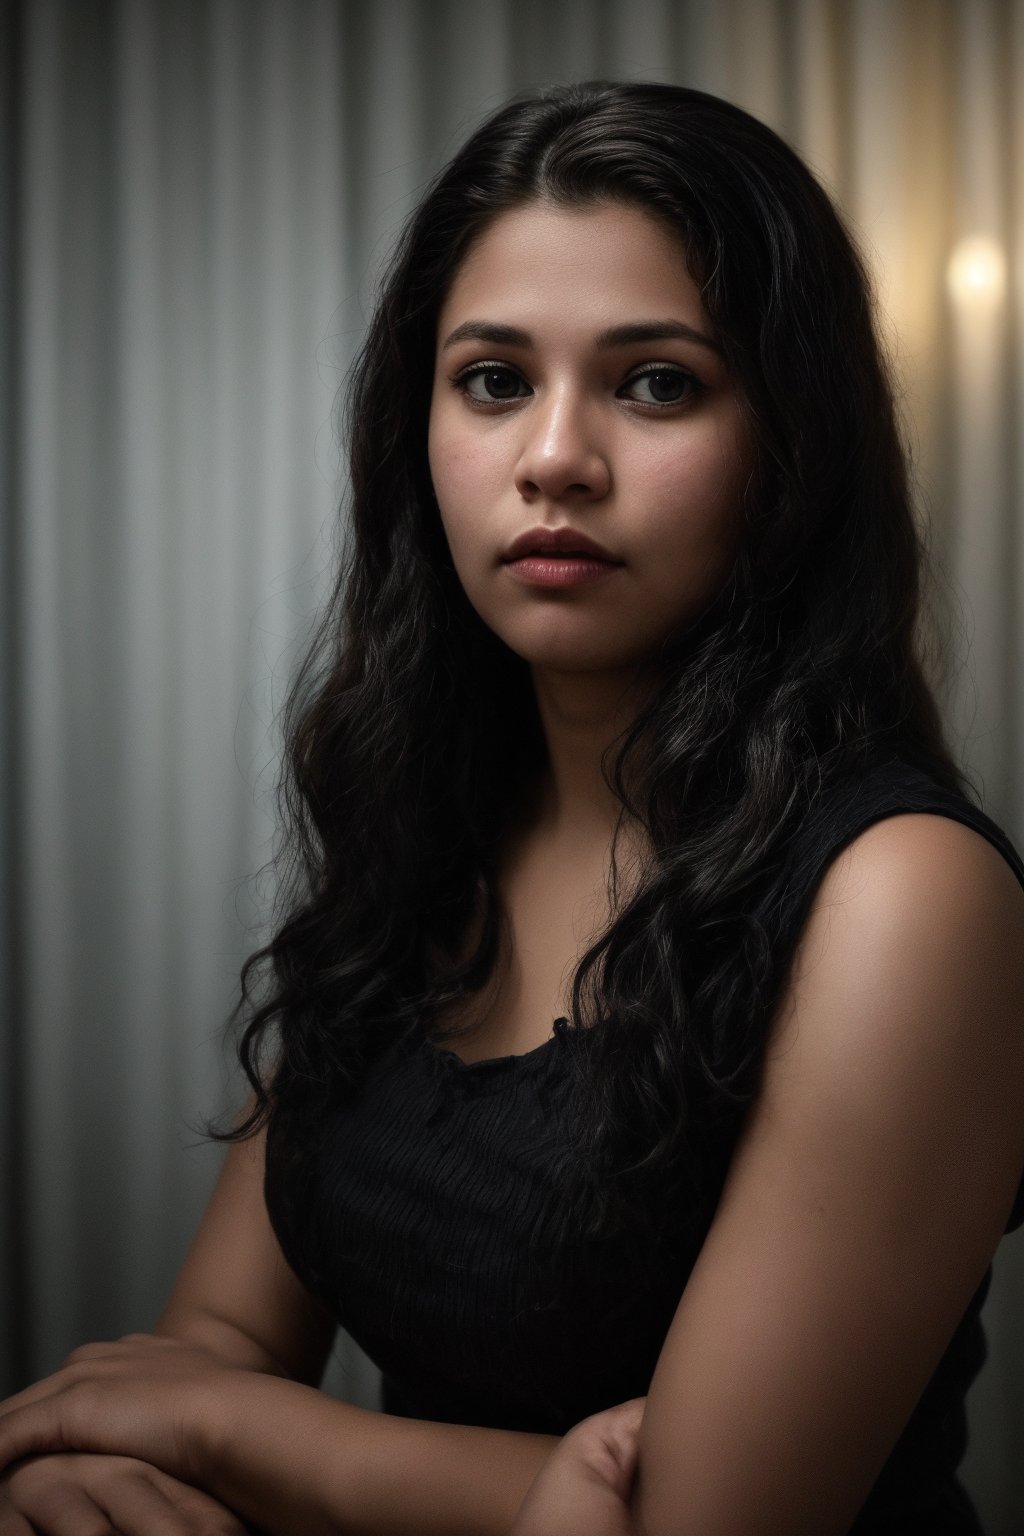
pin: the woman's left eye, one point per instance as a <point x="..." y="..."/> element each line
<point x="661" y="386"/>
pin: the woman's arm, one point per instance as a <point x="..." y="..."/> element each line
<point x="223" y="1396"/>
<point x="235" y="1295"/>
<point x="296" y="1460"/>
<point x="864" y="1203"/>
<point x="276" y="1451"/>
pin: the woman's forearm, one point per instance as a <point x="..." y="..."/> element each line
<point x="288" y="1458"/>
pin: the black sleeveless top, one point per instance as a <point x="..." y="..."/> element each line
<point x="416" y="1221"/>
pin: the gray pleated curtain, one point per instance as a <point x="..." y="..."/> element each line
<point x="197" y="199"/>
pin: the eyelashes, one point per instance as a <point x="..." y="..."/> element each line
<point x="489" y="374"/>
<point x="495" y="384"/>
<point x="661" y="378"/>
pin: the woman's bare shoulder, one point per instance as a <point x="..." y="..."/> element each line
<point x="867" y="1194"/>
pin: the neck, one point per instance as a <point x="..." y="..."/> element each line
<point x="582" y="714"/>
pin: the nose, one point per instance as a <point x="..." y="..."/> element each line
<point x="561" y="457"/>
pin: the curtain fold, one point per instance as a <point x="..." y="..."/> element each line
<point x="200" y="198"/>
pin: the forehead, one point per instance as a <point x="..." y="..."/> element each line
<point x="594" y="263"/>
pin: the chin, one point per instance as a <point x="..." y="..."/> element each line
<point x="568" y="655"/>
<point x="576" y="642"/>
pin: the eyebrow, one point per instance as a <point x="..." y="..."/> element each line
<point x="617" y="336"/>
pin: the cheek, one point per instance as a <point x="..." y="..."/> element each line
<point x="446" y="477"/>
<point x="695" y="498"/>
<point x="441" y="456"/>
<point x="458" y="498"/>
<point x="460" y="474"/>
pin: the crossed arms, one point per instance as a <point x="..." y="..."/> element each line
<point x="863" y="1205"/>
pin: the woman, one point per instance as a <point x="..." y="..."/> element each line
<point x="616" y="718"/>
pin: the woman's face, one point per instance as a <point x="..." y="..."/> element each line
<point x="578" y="388"/>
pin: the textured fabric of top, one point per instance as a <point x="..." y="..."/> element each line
<point x="417" y="1221"/>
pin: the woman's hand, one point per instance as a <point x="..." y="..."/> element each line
<point x="585" y="1486"/>
<point x="143" y="1397"/>
<point x="61" y="1495"/>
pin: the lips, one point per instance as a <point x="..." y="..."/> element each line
<point x="556" y="541"/>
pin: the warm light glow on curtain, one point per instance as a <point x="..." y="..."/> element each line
<point x="977" y="272"/>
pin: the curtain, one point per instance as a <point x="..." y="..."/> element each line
<point x="198" y="199"/>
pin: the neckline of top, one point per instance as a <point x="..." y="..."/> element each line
<point x="506" y="1063"/>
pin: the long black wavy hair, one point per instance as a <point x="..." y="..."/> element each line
<point x="411" y="728"/>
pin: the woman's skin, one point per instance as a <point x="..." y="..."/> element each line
<point x="878" y="1164"/>
<point x="587" y="1485"/>
<point x="86" y="1494"/>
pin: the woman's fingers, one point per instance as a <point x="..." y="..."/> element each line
<point x="31" y="1423"/>
<point x="135" y="1343"/>
<point x="622" y="1431"/>
<point x="585" y="1486"/>
<point x="609" y="1442"/>
<point x="155" y="1505"/>
<point x="12" y="1521"/>
<point x="60" y="1509"/>
<point x="86" y="1352"/>
<point x="83" y="1495"/>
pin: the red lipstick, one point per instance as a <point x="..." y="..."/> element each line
<point x="558" y="557"/>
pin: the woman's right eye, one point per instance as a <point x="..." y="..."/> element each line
<point x="491" y="384"/>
